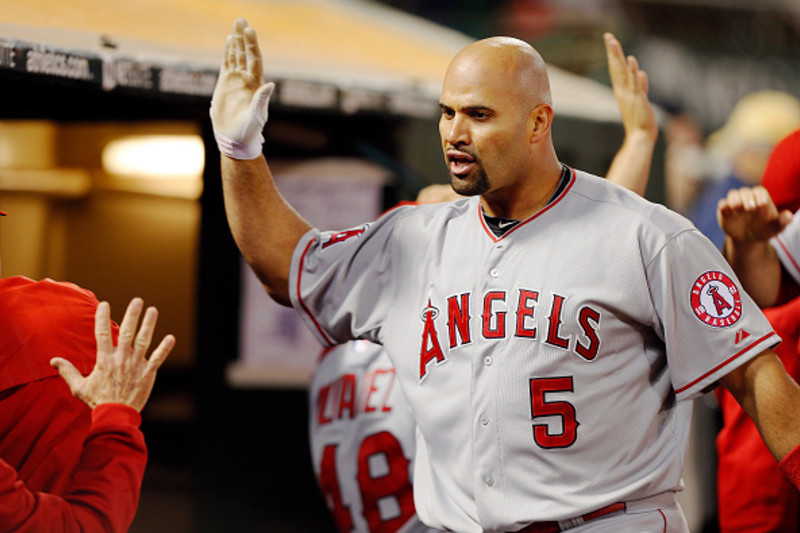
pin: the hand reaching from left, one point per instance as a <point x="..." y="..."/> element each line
<point x="121" y="374"/>
<point x="239" y="105"/>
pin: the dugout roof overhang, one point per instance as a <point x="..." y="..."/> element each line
<point x="348" y="56"/>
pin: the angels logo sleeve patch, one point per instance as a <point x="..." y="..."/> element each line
<point x="715" y="300"/>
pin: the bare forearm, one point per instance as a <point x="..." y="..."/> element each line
<point x="771" y="398"/>
<point x="265" y="227"/>
<point x="631" y="166"/>
<point x="758" y="268"/>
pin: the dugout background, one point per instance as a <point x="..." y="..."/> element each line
<point x="226" y="456"/>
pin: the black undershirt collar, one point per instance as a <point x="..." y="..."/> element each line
<point x="500" y="225"/>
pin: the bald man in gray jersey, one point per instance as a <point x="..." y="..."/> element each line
<point x="548" y="331"/>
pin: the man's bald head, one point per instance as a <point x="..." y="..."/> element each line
<point x="508" y="61"/>
<point x="495" y="125"/>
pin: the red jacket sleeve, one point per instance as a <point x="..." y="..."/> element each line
<point x="104" y="492"/>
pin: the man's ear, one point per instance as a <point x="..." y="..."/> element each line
<point x="539" y="122"/>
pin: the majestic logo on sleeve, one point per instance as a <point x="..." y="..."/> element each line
<point x="715" y="300"/>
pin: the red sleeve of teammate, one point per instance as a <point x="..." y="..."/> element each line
<point x="104" y="491"/>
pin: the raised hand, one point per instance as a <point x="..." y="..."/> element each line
<point x="631" y="165"/>
<point x="749" y="215"/>
<point x="241" y="99"/>
<point x="121" y="374"/>
<point x="630" y="88"/>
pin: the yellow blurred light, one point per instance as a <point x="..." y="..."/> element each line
<point x="155" y="156"/>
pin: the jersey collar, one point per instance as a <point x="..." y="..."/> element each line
<point x="498" y="227"/>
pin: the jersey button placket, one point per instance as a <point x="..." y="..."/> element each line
<point x="487" y="458"/>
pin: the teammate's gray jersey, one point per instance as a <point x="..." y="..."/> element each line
<point x="545" y="368"/>
<point x="787" y="244"/>
<point x="362" y="432"/>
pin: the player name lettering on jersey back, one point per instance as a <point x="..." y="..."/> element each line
<point x="351" y="395"/>
<point x="523" y="314"/>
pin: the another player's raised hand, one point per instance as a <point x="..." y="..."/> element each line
<point x="241" y="98"/>
<point x="631" y="165"/>
<point x="630" y="88"/>
<point x="121" y="374"/>
<point x="750" y="215"/>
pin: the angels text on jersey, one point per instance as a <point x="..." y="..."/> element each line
<point x="524" y="313"/>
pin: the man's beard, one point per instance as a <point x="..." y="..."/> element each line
<point x="475" y="184"/>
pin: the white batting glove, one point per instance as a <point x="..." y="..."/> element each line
<point x="240" y="100"/>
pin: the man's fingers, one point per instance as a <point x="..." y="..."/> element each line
<point x="642" y="80"/>
<point x="253" y="54"/>
<point x="68" y="371"/>
<point x="615" y="57"/>
<point x="160" y="354"/>
<point x="261" y="101"/>
<point x="102" y="329"/>
<point x="238" y="47"/>
<point x="784" y="217"/>
<point x="127" y="330"/>
<point x="633" y="64"/>
<point x="733" y="200"/>
<point x="229" y="57"/>
<point x="748" y="199"/>
<point x="613" y="47"/>
<point x="723" y="206"/>
<point x="238" y="43"/>
<point x="145" y="335"/>
<point x="761" y="195"/>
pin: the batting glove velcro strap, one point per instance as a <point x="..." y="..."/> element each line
<point x="235" y="150"/>
<point x="790" y="465"/>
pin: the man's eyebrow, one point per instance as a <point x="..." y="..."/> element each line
<point x="476" y="107"/>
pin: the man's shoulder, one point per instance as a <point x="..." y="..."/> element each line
<point x="627" y="206"/>
<point x="425" y="215"/>
<point x="23" y="286"/>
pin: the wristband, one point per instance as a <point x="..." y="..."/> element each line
<point x="235" y="150"/>
<point x="790" y="466"/>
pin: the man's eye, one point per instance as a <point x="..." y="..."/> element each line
<point x="448" y="113"/>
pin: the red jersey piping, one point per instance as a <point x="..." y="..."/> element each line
<point x="788" y="254"/>
<point x="734" y="356"/>
<point x="300" y="299"/>
<point x="533" y="216"/>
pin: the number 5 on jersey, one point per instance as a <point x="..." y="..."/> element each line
<point x="541" y="407"/>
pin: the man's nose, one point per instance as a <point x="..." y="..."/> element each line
<point x="457" y="132"/>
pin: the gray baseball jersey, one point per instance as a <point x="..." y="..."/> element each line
<point x="547" y="369"/>
<point x="787" y="244"/>
<point x="362" y="433"/>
